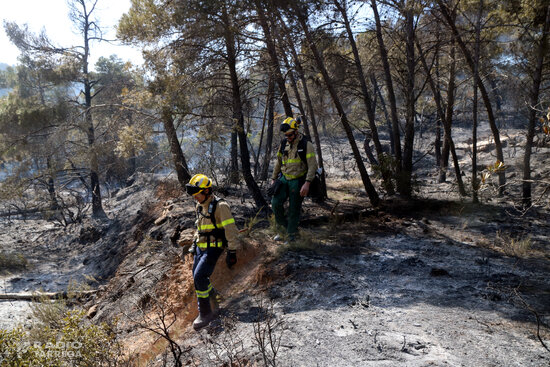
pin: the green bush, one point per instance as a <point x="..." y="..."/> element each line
<point x="15" y="350"/>
<point x="75" y="343"/>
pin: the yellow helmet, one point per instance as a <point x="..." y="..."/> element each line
<point x="197" y="184"/>
<point x="290" y="123"/>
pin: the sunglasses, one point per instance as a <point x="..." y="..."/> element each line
<point x="192" y="190"/>
<point x="285" y="128"/>
<point x="290" y="135"/>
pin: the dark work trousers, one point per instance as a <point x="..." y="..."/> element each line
<point x="290" y="189"/>
<point x="203" y="267"/>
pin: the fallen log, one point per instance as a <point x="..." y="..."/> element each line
<point x="21" y="212"/>
<point x="37" y="296"/>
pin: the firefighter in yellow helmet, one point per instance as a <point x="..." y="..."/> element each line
<point x="216" y="231"/>
<point x="295" y="169"/>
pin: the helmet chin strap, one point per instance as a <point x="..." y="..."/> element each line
<point x="206" y="196"/>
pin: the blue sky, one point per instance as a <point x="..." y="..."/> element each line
<point x="52" y="15"/>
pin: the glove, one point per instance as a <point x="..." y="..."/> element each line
<point x="231" y="258"/>
<point x="193" y="248"/>
<point x="274" y="188"/>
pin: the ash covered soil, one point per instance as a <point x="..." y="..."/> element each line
<point x="388" y="290"/>
<point x="436" y="281"/>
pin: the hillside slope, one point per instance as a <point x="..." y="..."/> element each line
<point x="431" y="281"/>
<point x="411" y="283"/>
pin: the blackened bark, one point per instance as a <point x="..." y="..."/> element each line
<point x="496" y="92"/>
<point x="448" y="114"/>
<point x="180" y="164"/>
<point x="272" y="51"/>
<point x="368" y="150"/>
<point x="441" y="117"/>
<point x="269" y="135"/>
<point x="389" y="87"/>
<point x="485" y="96"/>
<point x="238" y="116"/>
<point x="475" y="185"/>
<point x="385" y="110"/>
<point x="439" y="122"/>
<point x="54" y="205"/>
<point x="97" y="208"/>
<point x="404" y="184"/>
<point x="367" y="100"/>
<point x="263" y="132"/>
<point x="234" y="148"/>
<point x="369" y="188"/>
<point x="298" y="97"/>
<point x="542" y="50"/>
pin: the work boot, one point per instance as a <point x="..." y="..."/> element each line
<point x="205" y="314"/>
<point x="215" y="298"/>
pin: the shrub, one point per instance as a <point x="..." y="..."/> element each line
<point x="12" y="262"/>
<point x="517" y="247"/>
<point x="74" y="342"/>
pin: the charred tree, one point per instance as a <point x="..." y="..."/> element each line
<point x="542" y="51"/>
<point x="484" y="94"/>
<point x="367" y="100"/>
<point x="238" y="116"/>
<point x="441" y="116"/>
<point x="180" y="164"/>
<point x="302" y="20"/>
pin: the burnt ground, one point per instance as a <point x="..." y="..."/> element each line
<point x="387" y="290"/>
<point x="434" y="281"/>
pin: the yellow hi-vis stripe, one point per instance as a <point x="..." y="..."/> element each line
<point x="204" y="245"/>
<point x="222" y="224"/>
<point x="204" y="294"/>
<point x="292" y="177"/>
<point x="310" y="155"/>
<point x="227" y="221"/>
<point x="294" y="160"/>
<point x="206" y="226"/>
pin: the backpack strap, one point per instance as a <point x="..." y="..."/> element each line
<point x="302" y="148"/>
<point x="212" y="210"/>
<point x="282" y="146"/>
<point x="217" y="233"/>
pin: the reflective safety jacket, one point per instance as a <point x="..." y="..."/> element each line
<point x="291" y="166"/>
<point x="224" y="231"/>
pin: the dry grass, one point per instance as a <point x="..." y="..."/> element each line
<point x="12" y="262"/>
<point x="305" y="242"/>
<point x="345" y="190"/>
<point x="518" y="247"/>
<point x="351" y="183"/>
<point x="168" y="189"/>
